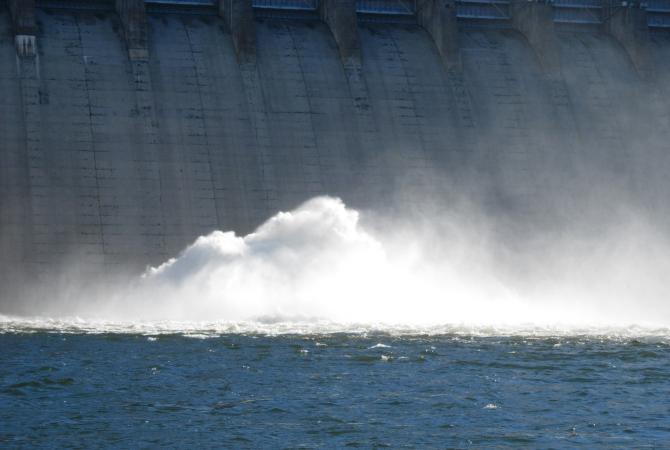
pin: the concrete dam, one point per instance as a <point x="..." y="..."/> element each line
<point x="129" y="128"/>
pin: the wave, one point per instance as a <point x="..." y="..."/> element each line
<point x="77" y="325"/>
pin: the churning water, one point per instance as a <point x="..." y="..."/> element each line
<point x="319" y="269"/>
<point x="317" y="331"/>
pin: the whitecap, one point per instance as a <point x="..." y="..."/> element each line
<point x="379" y="345"/>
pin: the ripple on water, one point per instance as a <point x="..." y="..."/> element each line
<point x="91" y="391"/>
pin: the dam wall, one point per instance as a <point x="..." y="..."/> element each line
<point x="119" y="146"/>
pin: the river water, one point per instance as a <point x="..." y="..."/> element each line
<point x="317" y="332"/>
<point x="73" y="389"/>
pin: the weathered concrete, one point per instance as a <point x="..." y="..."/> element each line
<point x="340" y="16"/>
<point x="534" y="20"/>
<point x="438" y="18"/>
<point x="134" y="19"/>
<point x="628" y="25"/>
<point x="15" y="185"/>
<point x="239" y="18"/>
<point x="658" y="163"/>
<point x="115" y="162"/>
<point x="23" y="18"/>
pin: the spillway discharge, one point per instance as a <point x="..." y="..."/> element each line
<point x="318" y="267"/>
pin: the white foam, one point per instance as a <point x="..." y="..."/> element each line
<point x="379" y="345"/>
<point x="317" y="269"/>
<point x="10" y="324"/>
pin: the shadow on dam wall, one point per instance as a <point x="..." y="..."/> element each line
<point x="120" y="162"/>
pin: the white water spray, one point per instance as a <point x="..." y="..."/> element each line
<point x="318" y="269"/>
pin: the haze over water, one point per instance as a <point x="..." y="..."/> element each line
<point x="323" y="330"/>
<point x="322" y="268"/>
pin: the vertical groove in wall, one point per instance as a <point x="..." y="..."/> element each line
<point x="393" y="94"/>
<point x="92" y="199"/>
<point x="18" y="81"/>
<point x="603" y="130"/>
<point x="151" y="188"/>
<point x="259" y="123"/>
<point x="368" y="169"/>
<point x="206" y="170"/>
<point x="504" y="119"/>
<point x="28" y="69"/>
<point x="179" y="147"/>
<point x="295" y="154"/>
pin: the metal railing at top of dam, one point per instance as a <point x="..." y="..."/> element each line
<point x="184" y="2"/>
<point x="286" y="9"/>
<point x="196" y="7"/>
<point x="297" y="5"/>
<point x="591" y="12"/>
<point x="300" y="5"/>
<point x="578" y="12"/>
<point x="384" y="7"/>
<point x="494" y="13"/>
<point x="392" y="7"/>
<point x="368" y="10"/>
<point x="484" y="11"/>
<point x="86" y="5"/>
<point x="658" y="14"/>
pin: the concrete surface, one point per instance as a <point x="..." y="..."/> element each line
<point x="115" y="162"/>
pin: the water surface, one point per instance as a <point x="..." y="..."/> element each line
<point x="335" y="390"/>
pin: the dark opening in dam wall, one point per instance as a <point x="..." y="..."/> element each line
<point x="127" y="130"/>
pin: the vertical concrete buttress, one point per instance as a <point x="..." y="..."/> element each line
<point x="438" y="18"/>
<point x="135" y="29"/>
<point x="28" y="71"/>
<point x="534" y="19"/>
<point x="239" y="18"/>
<point x="23" y="19"/>
<point x="340" y="16"/>
<point x="628" y="25"/>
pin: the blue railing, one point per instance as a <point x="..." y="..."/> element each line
<point x="483" y="10"/>
<point x="299" y="5"/>
<point x="393" y="7"/>
<point x="184" y="2"/>
<point x="578" y="12"/>
<point x="658" y="14"/>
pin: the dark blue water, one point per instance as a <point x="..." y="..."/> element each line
<point x="131" y="391"/>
